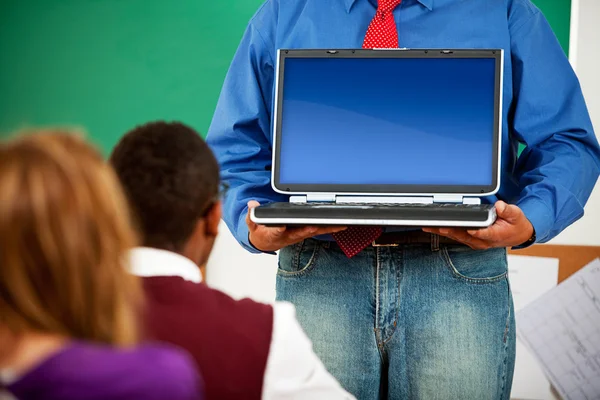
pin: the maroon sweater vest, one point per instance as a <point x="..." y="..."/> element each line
<point x="229" y="339"/>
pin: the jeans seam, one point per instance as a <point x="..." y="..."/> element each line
<point x="395" y="323"/>
<point x="377" y="267"/>
<point x="309" y="266"/>
<point x="296" y="257"/>
<point x="480" y="281"/>
<point x="435" y="242"/>
<point x="507" y="327"/>
<point x="505" y="341"/>
<point x="390" y="336"/>
<point x="377" y="332"/>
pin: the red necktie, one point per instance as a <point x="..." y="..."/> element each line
<point x="382" y="33"/>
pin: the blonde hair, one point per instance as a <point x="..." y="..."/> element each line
<point x="64" y="233"/>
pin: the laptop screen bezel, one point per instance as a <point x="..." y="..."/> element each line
<point x="387" y="189"/>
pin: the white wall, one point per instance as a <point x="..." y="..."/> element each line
<point x="585" y="57"/>
<point x="241" y="274"/>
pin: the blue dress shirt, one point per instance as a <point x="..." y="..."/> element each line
<point x="543" y="103"/>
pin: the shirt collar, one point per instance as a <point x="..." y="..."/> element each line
<point x="426" y="3"/>
<point x="147" y="262"/>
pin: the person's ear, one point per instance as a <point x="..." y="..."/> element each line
<point x="213" y="219"/>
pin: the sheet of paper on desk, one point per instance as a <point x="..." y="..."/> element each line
<point x="530" y="277"/>
<point x="562" y="329"/>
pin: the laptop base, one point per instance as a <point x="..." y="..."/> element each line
<point x="415" y="215"/>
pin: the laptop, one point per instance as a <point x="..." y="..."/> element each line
<point x="391" y="137"/>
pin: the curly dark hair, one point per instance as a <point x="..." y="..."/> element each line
<point x="171" y="179"/>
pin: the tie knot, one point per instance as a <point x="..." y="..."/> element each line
<point x="386" y="6"/>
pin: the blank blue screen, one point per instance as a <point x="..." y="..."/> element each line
<point x="387" y="121"/>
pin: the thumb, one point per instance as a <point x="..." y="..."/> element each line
<point x="278" y="231"/>
<point x="508" y="212"/>
<point x="251" y="225"/>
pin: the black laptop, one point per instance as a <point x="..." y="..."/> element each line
<point x="393" y="137"/>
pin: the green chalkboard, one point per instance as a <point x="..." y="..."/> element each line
<point x="558" y="13"/>
<point x="107" y="65"/>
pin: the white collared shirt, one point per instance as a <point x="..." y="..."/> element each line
<point x="293" y="369"/>
<point x="147" y="262"/>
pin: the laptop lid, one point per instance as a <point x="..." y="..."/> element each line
<point x="388" y="122"/>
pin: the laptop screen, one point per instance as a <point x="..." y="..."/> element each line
<point x="415" y="122"/>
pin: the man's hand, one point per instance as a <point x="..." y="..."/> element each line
<point x="266" y="238"/>
<point x="511" y="228"/>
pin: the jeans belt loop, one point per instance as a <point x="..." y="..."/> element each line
<point x="435" y="242"/>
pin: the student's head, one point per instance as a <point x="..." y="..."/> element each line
<point x="171" y="179"/>
<point x="63" y="233"/>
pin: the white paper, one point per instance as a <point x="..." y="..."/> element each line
<point x="530" y="277"/>
<point x="562" y="329"/>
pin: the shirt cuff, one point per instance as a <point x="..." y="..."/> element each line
<point x="243" y="235"/>
<point x="538" y="213"/>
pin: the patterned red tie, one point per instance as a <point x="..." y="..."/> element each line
<point x="382" y="33"/>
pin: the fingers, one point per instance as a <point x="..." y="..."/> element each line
<point x="457" y="234"/>
<point x="324" y="230"/>
<point x="297" y="234"/>
<point x="306" y="232"/>
<point x="508" y="212"/>
<point x="251" y="225"/>
<point x="278" y="231"/>
<point x="460" y="235"/>
<point x="510" y="228"/>
<point x="483" y="234"/>
<point x="273" y="238"/>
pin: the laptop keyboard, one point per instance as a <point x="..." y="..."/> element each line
<point x="464" y="214"/>
<point x="456" y="206"/>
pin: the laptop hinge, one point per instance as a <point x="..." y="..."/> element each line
<point x="332" y="198"/>
<point x="383" y="199"/>
<point x="314" y="198"/>
<point x="451" y="198"/>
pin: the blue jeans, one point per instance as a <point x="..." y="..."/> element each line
<point x="407" y="322"/>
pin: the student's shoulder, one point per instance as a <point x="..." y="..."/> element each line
<point x="168" y="357"/>
<point x="162" y="371"/>
<point x="149" y="371"/>
<point x="224" y="302"/>
<point x="200" y="296"/>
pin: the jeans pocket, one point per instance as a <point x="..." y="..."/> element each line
<point x="475" y="266"/>
<point x="298" y="259"/>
